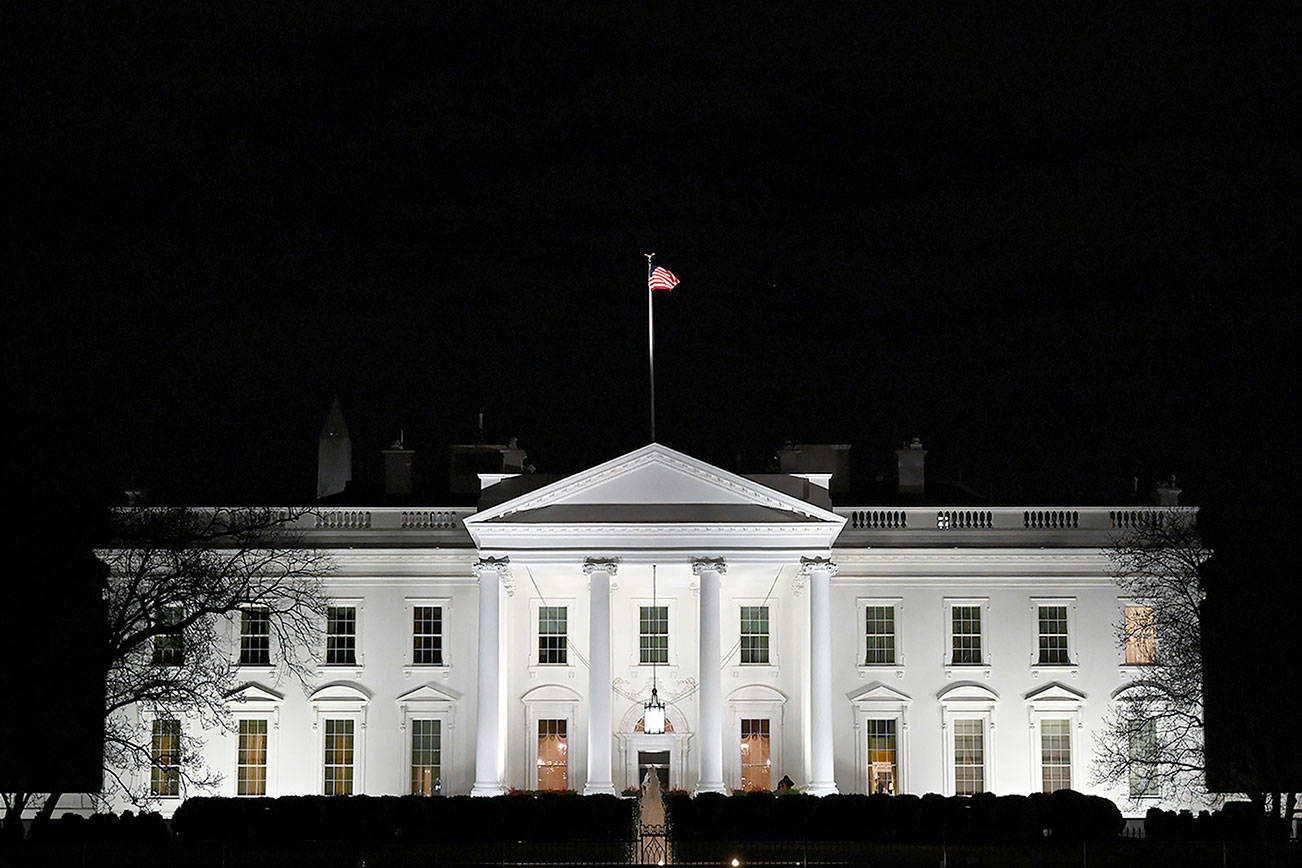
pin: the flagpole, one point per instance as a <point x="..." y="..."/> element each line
<point x="651" y="342"/>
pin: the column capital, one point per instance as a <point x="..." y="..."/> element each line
<point x="600" y="565"/>
<point x="713" y="565"/>
<point x="817" y="565"/>
<point x="501" y="566"/>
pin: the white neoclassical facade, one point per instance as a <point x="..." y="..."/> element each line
<point x="902" y="649"/>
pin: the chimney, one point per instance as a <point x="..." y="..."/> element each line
<point x="830" y="460"/>
<point x="334" y="454"/>
<point x="1168" y="494"/>
<point x="397" y="467"/>
<point x="911" y="458"/>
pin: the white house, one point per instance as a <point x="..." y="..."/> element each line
<point x="853" y="648"/>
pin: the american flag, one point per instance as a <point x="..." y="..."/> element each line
<point x="662" y="278"/>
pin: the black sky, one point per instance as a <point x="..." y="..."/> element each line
<point x="1053" y="244"/>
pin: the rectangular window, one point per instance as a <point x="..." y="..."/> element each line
<point x="427" y="635"/>
<point x="969" y="757"/>
<point x="341" y="635"/>
<point x="967" y="634"/>
<point x="883" y="759"/>
<point x="755" y="754"/>
<point x="1053" y="634"/>
<point x="255" y="636"/>
<point x="1143" y="751"/>
<point x="1055" y="755"/>
<point x="169" y="649"/>
<point x="879" y="634"/>
<point x="1141" y="635"/>
<point x="426" y="757"/>
<point x="251" y="759"/>
<point x="165" y="758"/>
<point x="553" y="761"/>
<point x="754" y="634"/>
<point x="551" y="634"/>
<point x="653" y="639"/>
<point x="339" y="757"/>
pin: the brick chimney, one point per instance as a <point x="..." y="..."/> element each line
<point x="911" y="458"/>
<point x="398" y="467"/>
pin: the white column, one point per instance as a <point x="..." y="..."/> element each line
<point x="710" y="572"/>
<point x="822" y="775"/>
<point x="600" y="727"/>
<point x="488" y="714"/>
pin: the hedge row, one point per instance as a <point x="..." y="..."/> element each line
<point x="1236" y="821"/>
<point x="985" y="818"/>
<point x="541" y="817"/>
<point x="127" y="829"/>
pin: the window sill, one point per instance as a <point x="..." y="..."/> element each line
<point x="1072" y="669"/>
<point x="567" y="668"/>
<point x="426" y="669"/>
<point x="967" y="670"/>
<point x="1131" y="671"/>
<point x="769" y="670"/>
<point x="881" y="669"/>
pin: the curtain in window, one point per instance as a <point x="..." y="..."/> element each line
<point x="553" y="768"/>
<point x="755" y="756"/>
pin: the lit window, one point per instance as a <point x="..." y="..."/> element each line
<point x="1055" y="755"/>
<point x="251" y="759"/>
<point x="341" y="635"/>
<point x="1053" y="634"/>
<point x="551" y="634"/>
<point x="883" y="767"/>
<point x="653" y="639"/>
<point x="755" y="754"/>
<point x="879" y="635"/>
<point x="1141" y="635"/>
<point x="165" y="758"/>
<point x="969" y="757"/>
<point x="426" y="757"/>
<point x="1143" y="757"/>
<point x="427" y="635"/>
<point x="553" y="762"/>
<point x="754" y="634"/>
<point x="338" y="757"/>
<point x="966" y="635"/>
<point x="169" y="648"/>
<point x="255" y="636"/>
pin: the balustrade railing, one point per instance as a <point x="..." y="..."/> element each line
<point x="914" y="520"/>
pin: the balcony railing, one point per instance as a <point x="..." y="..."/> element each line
<point x="1008" y="524"/>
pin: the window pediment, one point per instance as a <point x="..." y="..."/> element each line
<point x="1055" y="691"/>
<point x="551" y="693"/>
<point x="426" y="693"/>
<point x="968" y="692"/>
<point x="879" y="692"/>
<point x="339" y="693"/>
<point x="757" y="693"/>
<point x="252" y="693"/>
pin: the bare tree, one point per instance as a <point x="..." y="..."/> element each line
<point x="177" y="578"/>
<point x="1152" y="741"/>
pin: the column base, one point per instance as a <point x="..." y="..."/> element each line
<point x="710" y="788"/>
<point x="489" y="789"/>
<point x="822" y="789"/>
<point x="599" y="788"/>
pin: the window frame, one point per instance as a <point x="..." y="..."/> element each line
<point x="1073" y="657"/>
<point x="1132" y="671"/>
<point x="768" y="669"/>
<point x="536" y="604"/>
<point x="409" y="664"/>
<point x="549" y="615"/>
<point x="754" y="702"/>
<point x="428" y="703"/>
<point x="163" y="643"/>
<point x="880" y="702"/>
<point x="967" y="701"/>
<point x="635" y="629"/>
<point x="1056" y="701"/>
<point x="254" y="702"/>
<point x="150" y="721"/>
<point x="947" y="660"/>
<point x="554" y="702"/>
<point x="238" y="625"/>
<point x="341" y="702"/>
<point x="266" y="754"/>
<point x="862" y="604"/>
<point x="359" y="657"/>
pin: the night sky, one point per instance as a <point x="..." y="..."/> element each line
<point x="1053" y="245"/>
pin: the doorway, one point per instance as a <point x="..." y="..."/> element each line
<point x="653" y="760"/>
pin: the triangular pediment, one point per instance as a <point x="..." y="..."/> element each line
<point x="1055" y="692"/>
<point x="252" y="692"/>
<point x="655" y="485"/>
<point x="879" y="692"/>
<point x="426" y="693"/>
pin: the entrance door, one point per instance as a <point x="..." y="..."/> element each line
<point x="653" y="759"/>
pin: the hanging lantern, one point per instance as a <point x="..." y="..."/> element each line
<point x="653" y="718"/>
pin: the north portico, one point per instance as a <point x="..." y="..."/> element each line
<point x="583" y="549"/>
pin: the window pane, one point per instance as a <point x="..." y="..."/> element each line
<point x="653" y="640"/>
<point x="553" y="768"/>
<point x="883" y="767"/>
<point x="967" y="634"/>
<point x="169" y="647"/>
<point x="551" y="634"/>
<point x="251" y="759"/>
<point x="880" y="636"/>
<point x="426" y="757"/>
<point x="1055" y="755"/>
<point x="1141" y="635"/>
<point x="1053" y="634"/>
<point x="755" y="754"/>
<point x="969" y="757"/>
<point x="165" y="758"/>
<point x="427" y="635"/>
<point x="255" y="636"/>
<point x="338" y="757"/>
<point x="341" y="635"/>
<point x="754" y="634"/>
<point x="1143" y="754"/>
